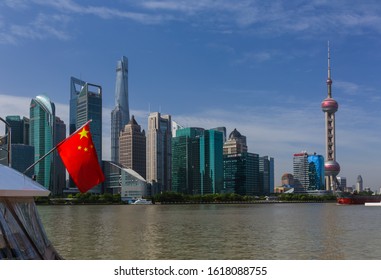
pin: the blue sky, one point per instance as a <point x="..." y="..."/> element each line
<point x="258" y="66"/>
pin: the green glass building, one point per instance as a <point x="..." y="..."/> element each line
<point x="46" y="131"/>
<point x="197" y="161"/>
<point x="186" y="160"/>
<point x="42" y="116"/>
<point x="241" y="173"/>
<point x="211" y="162"/>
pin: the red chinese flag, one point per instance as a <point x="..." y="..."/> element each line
<point x="80" y="158"/>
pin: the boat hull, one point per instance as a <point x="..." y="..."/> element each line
<point x="357" y="199"/>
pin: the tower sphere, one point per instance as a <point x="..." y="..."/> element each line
<point x="331" y="167"/>
<point x="329" y="105"/>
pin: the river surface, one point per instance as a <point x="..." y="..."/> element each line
<point x="279" y="231"/>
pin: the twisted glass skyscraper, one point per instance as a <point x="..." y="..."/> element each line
<point x="120" y="116"/>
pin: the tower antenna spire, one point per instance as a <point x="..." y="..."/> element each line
<point x="329" y="62"/>
<point x="329" y="80"/>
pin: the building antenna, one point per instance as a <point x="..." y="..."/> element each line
<point x="329" y="62"/>
<point x="329" y="80"/>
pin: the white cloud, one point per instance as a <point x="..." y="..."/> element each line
<point x="252" y="17"/>
<point x="105" y="12"/>
<point x="16" y="4"/>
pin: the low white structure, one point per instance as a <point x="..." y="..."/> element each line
<point x="22" y="235"/>
<point x="372" y="203"/>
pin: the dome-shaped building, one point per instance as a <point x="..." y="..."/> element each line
<point x="235" y="134"/>
<point x="236" y="143"/>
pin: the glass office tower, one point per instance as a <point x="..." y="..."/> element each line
<point x="211" y="162"/>
<point x="120" y="116"/>
<point x="46" y="131"/>
<point x="42" y="120"/>
<point x="316" y="172"/>
<point x="89" y="107"/>
<point x="20" y="129"/>
<point x="86" y="104"/>
<point x="76" y="86"/>
<point x="266" y="174"/>
<point x="241" y="173"/>
<point x="186" y="160"/>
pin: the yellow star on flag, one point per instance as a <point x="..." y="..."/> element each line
<point x="83" y="133"/>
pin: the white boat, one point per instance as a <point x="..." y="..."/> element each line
<point x="373" y="203"/>
<point x="142" y="201"/>
<point x="22" y="235"/>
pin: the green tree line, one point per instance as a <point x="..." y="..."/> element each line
<point x="172" y="197"/>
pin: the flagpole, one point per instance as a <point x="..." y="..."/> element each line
<point x="44" y="156"/>
<point x="54" y="148"/>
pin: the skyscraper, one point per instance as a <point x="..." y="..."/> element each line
<point x="20" y="129"/>
<point x="89" y="107"/>
<point x="359" y="184"/>
<point x="42" y="119"/>
<point x="76" y="86"/>
<point x="316" y="172"/>
<point x="241" y="169"/>
<point x="43" y="125"/>
<point x="120" y="116"/>
<point x="59" y="180"/>
<point x="186" y="160"/>
<point x="86" y="104"/>
<point x="300" y="169"/>
<point x="266" y="174"/>
<point x="329" y="107"/>
<point x="132" y="147"/>
<point x="241" y="173"/>
<point x="309" y="171"/>
<point x="211" y="162"/>
<point x="342" y="183"/>
<point x="235" y="144"/>
<point x="22" y="154"/>
<point x="159" y="152"/>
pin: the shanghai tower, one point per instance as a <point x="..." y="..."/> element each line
<point x="330" y="107"/>
<point x="120" y="116"/>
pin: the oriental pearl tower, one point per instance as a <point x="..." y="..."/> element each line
<point x="329" y="107"/>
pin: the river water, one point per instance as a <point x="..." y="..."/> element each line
<point x="279" y="231"/>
